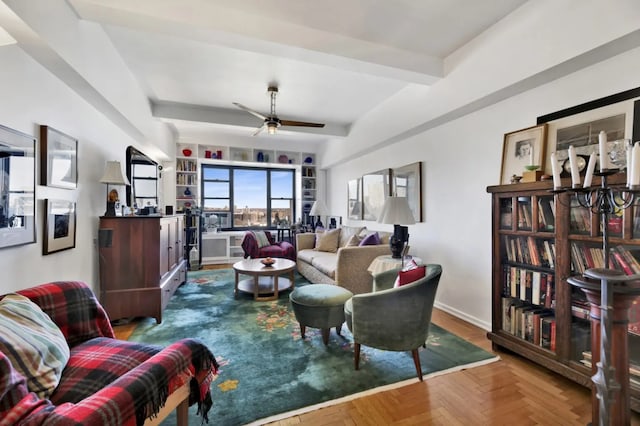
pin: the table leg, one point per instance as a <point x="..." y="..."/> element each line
<point x="256" y="287"/>
<point x="275" y="287"/>
<point x="235" y="290"/>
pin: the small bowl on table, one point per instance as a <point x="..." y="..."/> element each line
<point x="267" y="261"/>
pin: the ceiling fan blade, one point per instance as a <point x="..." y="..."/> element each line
<point x="300" y="123"/>
<point x="258" y="130"/>
<point x="250" y="111"/>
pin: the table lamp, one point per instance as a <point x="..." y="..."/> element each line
<point x="396" y="211"/>
<point x="318" y="209"/>
<point x="113" y="176"/>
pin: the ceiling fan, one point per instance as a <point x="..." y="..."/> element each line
<point x="271" y="121"/>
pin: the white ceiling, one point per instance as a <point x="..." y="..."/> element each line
<point x="333" y="60"/>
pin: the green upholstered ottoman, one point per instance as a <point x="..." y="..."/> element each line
<point x="320" y="306"/>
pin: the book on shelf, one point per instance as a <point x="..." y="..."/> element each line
<point x="546" y="207"/>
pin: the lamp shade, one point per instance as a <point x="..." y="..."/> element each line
<point x="113" y="174"/>
<point x="396" y="210"/>
<point x="318" y="209"/>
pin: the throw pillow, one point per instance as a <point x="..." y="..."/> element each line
<point x="328" y="240"/>
<point x="33" y="343"/>
<point x="372" y="239"/>
<point x="410" y="265"/>
<point x="346" y="232"/>
<point x="407" y="277"/>
<point x="354" y="241"/>
<point x="261" y="239"/>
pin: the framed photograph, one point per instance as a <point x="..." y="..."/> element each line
<point x="406" y="181"/>
<point x="17" y="188"/>
<point x="58" y="159"/>
<point x="354" y="199"/>
<point x="522" y="148"/>
<point x="579" y="126"/>
<point x="59" y="225"/>
<point x="376" y="187"/>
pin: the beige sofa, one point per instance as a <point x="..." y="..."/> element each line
<point x="347" y="267"/>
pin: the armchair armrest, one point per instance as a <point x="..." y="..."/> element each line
<point x="74" y="308"/>
<point x="385" y="280"/>
<point x="137" y="395"/>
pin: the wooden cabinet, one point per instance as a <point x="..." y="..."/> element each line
<point x="539" y="240"/>
<point x="141" y="264"/>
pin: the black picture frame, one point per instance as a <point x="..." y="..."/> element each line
<point x="59" y="225"/>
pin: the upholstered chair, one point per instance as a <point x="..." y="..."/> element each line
<point x="393" y="319"/>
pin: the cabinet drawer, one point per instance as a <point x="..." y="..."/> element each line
<point x="172" y="281"/>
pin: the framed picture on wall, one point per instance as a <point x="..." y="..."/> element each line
<point x="406" y="182"/>
<point x="17" y="188"/>
<point x="354" y="199"/>
<point x="376" y="188"/>
<point x="58" y="159"/>
<point x="523" y="148"/>
<point x="59" y="225"/>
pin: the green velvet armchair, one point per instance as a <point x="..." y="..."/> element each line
<point x="393" y="319"/>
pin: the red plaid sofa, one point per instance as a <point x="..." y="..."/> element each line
<point x="106" y="381"/>
<point x="283" y="249"/>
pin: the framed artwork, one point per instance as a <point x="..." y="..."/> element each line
<point x="406" y="181"/>
<point x="58" y="159"/>
<point x="618" y="115"/>
<point x="17" y="188"/>
<point x="354" y="199"/>
<point x="59" y="225"/>
<point x="376" y="187"/>
<point x="523" y="148"/>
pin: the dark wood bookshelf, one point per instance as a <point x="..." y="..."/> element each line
<point x="571" y="343"/>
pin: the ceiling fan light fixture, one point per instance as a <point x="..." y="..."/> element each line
<point x="272" y="128"/>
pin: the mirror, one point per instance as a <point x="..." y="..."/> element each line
<point x="142" y="172"/>
<point x="17" y="188"/>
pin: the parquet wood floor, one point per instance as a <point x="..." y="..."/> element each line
<point x="512" y="391"/>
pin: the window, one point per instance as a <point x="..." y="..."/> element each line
<point x="247" y="197"/>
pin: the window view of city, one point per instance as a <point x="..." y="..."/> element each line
<point x="260" y="197"/>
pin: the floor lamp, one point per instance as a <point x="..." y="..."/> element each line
<point x="396" y="211"/>
<point x="113" y="176"/>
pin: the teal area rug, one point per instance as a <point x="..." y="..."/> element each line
<point x="267" y="369"/>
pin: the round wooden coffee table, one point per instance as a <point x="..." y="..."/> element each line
<point x="265" y="279"/>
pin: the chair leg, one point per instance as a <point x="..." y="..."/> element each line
<point x="303" y="328"/>
<point x="356" y="354"/>
<point x="416" y="361"/>
<point x="325" y="335"/>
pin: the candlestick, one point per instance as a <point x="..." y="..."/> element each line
<point x="590" y="169"/>
<point x="602" y="148"/>
<point x="635" y="165"/>
<point x="629" y="163"/>
<point x="555" y="169"/>
<point x="573" y="162"/>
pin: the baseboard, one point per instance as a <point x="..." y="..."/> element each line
<point x="463" y="316"/>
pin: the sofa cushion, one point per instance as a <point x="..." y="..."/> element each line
<point x="372" y="239"/>
<point x="97" y="363"/>
<point x="326" y="263"/>
<point x="354" y="241"/>
<point x="347" y="232"/>
<point x="33" y="343"/>
<point x="328" y="240"/>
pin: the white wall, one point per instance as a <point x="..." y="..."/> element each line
<point x="32" y="96"/>
<point x="460" y="159"/>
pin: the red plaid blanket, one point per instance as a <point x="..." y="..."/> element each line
<point x="96" y="388"/>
